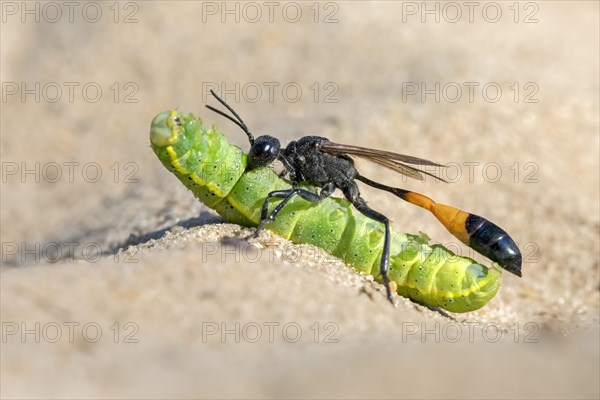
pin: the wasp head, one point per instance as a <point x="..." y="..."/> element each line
<point x="264" y="150"/>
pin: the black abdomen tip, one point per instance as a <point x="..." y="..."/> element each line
<point x="493" y="242"/>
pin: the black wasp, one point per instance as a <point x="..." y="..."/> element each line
<point x="328" y="166"/>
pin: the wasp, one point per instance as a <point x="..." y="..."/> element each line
<point x="327" y="166"/>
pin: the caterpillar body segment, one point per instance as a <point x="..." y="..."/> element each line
<point x="215" y="171"/>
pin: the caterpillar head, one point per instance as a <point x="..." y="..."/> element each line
<point x="165" y="128"/>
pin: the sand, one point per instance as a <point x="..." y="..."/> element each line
<point x="114" y="282"/>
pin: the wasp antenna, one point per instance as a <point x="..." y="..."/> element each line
<point x="226" y="116"/>
<point x="238" y="121"/>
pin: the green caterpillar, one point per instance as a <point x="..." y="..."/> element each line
<point x="215" y="171"/>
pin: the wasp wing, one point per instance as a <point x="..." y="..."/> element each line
<point x="394" y="161"/>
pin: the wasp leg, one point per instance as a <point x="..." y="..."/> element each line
<point x="353" y="195"/>
<point x="287" y="195"/>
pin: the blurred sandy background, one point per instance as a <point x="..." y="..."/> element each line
<point x="80" y="318"/>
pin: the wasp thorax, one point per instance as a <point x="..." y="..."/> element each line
<point x="263" y="151"/>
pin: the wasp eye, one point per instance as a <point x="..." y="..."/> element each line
<point x="263" y="152"/>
